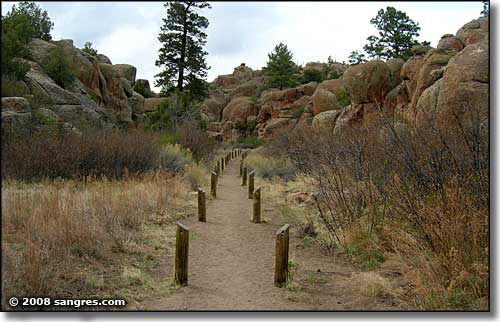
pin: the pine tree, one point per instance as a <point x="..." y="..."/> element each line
<point x="38" y="19"/>
<point x="486" y="8"/>
<point x="182" y="54"/>
<point x="397" y="33"/>
<point x="281" y="69"/>
<point x="356" y="57"/>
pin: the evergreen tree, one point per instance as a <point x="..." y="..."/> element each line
<point x="59" y="68"/>
<point x="486" y="8"/>
<point x="19" y="26"/>
<point x="281" y="69"/>
<point x="87" y="48"/>
<point x="397" y="33"/>
<point x="182" y="54"/>
<point x="356" y="57"/>
<point x="38" y="19"/>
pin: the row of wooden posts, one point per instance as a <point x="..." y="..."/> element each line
<point x="182" y="233"/>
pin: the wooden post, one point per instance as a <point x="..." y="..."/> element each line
<point x="213" y="184"/>
<point x="281" y="253"/>
<point x="251" y="178"/>
<point x="241" y="168"/>
<point x="244" y="177"/>
<point x="256" y="206"/>
<point x="217" y="168"/>
<point x="181" y="254"/>
<point x="202" y="209"/>
<point x="222" y="164"/>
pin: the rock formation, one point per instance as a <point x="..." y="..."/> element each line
<point x="100" y="96"/>
<point x="435" y="83"/>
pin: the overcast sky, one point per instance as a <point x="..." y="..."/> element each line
<point x="246" y="32"/>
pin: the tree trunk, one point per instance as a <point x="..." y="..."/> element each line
<point x="180" y="81"/>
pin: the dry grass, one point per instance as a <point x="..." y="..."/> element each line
<point x="75" y="239"/>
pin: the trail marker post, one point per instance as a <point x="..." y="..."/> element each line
<point x="256" y="205"/>
<point x="202" y="209"/>
<point x="251" y="181"/>
<point x="281" y="253"/>
<point x="244" y="177"/>
<point x="213" y="184"/>
<point x="181" y="254"/>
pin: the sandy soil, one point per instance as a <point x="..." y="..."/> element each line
<point x="231" y="263"/>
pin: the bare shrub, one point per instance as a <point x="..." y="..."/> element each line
<point x="430" y="182"/>
<point x="110" y="153"/>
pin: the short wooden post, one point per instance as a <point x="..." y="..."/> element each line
<point x="213" y="184"/>
<point x="281" y="253"/>
<point x="244" y="177"/>
<point x="202" y="209"/>
<point x="222" y="164"/>
<point x="181" y="254"/>
<point x="251" y="178"/>
<point x="256" y="205"/>
<point x="241" y="168"/>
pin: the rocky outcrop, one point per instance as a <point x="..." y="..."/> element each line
<point x="474" y="31"/>
<point x="434" y="83"/>
<point x="101" y="94"/>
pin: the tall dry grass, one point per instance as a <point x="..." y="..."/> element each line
<point x="53" y="230"/>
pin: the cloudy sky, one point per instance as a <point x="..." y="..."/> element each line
<point x="245" y="31"/>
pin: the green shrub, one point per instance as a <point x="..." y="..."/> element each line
<point x="174" y="158"/>
<point x="89" y="50"/>
<point x="12" y="88"/>
<point x="141" y="89"/>
<point x="268" y="167"/>
<point x="248" y="142"/>
<point x="94" y="96"/>
<point x="312" y="75"/>
<point x="343" y="99"/>
<point x="58" y="67"/>
<point x="175" y="112"/>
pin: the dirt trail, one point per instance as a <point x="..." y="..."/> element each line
<point x="231" y="260"/>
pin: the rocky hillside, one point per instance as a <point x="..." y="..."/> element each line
<point x="435" y="83"/>
<point x="100" y="96"/>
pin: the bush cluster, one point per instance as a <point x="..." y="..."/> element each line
<point x="110" y="153"/>
<point x="421" y="194"/>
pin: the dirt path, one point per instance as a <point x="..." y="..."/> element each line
<point x="231" y="261"/>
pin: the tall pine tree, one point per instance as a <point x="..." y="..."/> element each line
<point x="397" y="33"/>
<point x="281" y="69"/>
<point x="182" y="54"/>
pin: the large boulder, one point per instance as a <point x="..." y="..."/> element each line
<point x="465" y="86"/>
<point x="395" y="65"/>
<point x="449" y="41"/>
<point x="103" y="59"/>
<point x="136" y="102"/>
<point x="238" y="110"/>
<point x="126" y="71"/>
<point x="325" y="120"/>
<point x="243" y="73"/>
<point x="250" y="88"/>
<point x="142" y="86"/>
<point x="40" y="51"/>
<point x="430" y="71"/>
<point x="474" y="31"/>
<point x="117" y="78"/>
<point x="323" y="100"/>
<point x="368" y="82"/>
